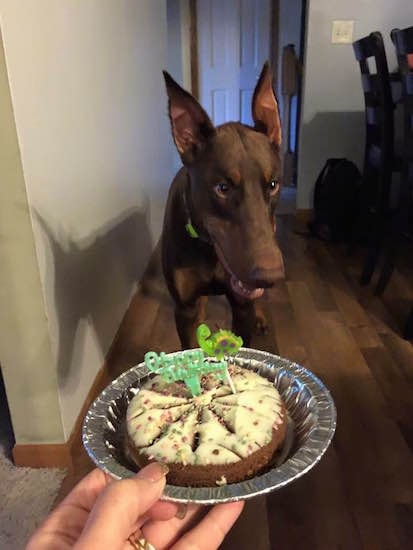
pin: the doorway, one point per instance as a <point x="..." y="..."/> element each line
<point x="228" y="42"/>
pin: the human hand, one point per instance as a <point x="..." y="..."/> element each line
<point x="101" y="513"/>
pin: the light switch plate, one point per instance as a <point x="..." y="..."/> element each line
<point x="342" y="32"/>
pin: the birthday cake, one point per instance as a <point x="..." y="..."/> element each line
<point x="228" y="432"/>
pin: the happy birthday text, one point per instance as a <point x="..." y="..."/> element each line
<point x="187" y="366"/>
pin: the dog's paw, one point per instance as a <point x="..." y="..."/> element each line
<point x="261" y="324"/>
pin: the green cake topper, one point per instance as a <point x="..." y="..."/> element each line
<point x="219" y="344"/>
<point x="222" y="343"/>
<point x="190" y="365"/>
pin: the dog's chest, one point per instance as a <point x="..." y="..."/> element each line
<point x="211" y="274"/>
<point x="218" y="283"/>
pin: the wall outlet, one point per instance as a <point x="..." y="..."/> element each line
<point x="342" y="32"/>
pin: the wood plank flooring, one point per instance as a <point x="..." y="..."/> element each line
<point x="360" y="496"/>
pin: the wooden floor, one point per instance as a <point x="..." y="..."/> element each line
<point x="360" y="496"/>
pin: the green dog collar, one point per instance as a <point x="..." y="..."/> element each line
<point x="191" y="230"/>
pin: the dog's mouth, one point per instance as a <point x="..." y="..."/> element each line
<point x="244" y="290"/>
<point x="238" y="286"/>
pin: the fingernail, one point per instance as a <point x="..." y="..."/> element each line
<point x="182" y="510"/>
<point x="153" y="472"/>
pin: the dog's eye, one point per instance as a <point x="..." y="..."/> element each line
<point x="221" y="188"/>
<point x="273" y="187"/>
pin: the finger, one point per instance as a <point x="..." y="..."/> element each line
<point x="115" y="514"/>
<point x="162" y="534"/>
<point x="162" y="511"/>
<point x="211" y="531"/>
<point x="87" y="491"/>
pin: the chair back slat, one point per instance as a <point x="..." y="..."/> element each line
<point x="409" y="83"/>
<point x="403" y="43"/>
<point x="403" y="40"/>
<point x="379" y="119"/>
<point x="376" y="85"/>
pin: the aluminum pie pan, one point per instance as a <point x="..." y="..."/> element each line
<point x="312" y="423"/>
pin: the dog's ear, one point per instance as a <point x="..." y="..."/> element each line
<point x="191" y="126"/>
<point x="265" y="107"/>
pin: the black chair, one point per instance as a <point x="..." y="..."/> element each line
<point x="379" y="161"/>
<point x="402" y="225"/>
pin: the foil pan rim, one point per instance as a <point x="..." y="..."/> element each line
<point x="302" y="461"/>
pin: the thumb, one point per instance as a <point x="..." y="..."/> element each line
<point x="116" y="512"/>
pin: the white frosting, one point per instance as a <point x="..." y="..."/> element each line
<point x="166" y="423"/>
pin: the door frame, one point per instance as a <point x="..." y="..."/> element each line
<point x="274" y="41"/>
<point x="273" y="58"/>
<point x="193" y="48"/>
<point x="300" y="94"/>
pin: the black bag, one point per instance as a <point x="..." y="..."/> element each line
<point x="336" y="196"/>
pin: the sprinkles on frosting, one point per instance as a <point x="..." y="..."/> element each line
<point x="216" y="427"/>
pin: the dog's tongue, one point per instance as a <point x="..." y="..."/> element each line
<point x="245" y="291"/>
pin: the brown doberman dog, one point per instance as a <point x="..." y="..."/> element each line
<point x="219" y="226"/>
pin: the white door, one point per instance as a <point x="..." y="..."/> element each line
<point x="233" y="43"/>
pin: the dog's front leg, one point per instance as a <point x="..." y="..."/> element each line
<point x="243" y="319"/>
<point x="187" y="319"/>
<point x="261" y="323"/>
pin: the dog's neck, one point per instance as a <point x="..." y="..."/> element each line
<point x="194" y="232"/>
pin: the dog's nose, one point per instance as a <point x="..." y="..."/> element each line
<point x="267" y="270"/>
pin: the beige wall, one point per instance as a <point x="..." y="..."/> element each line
<point x="333" y="109"/>
<point x="90" y="111"/>
<point x="25" y="353"/>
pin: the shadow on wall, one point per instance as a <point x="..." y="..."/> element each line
<point x="93" y="282"/>
<point x="327" y="135"/>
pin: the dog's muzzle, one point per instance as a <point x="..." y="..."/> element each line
<point x="266" y="271"/>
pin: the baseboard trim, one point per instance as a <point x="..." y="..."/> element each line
<point x="60" y="455"/>
<point x="43" y="456"/>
